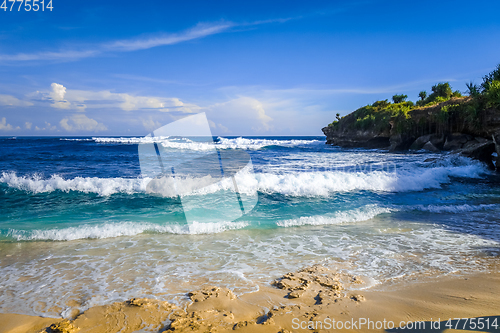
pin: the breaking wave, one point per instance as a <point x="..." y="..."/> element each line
<point x="188" y="144"/>
<point x="110" y="230"/>
<point x="349" y="216"/>
<point x="308" y="184"/>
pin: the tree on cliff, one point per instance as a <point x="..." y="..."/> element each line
<point x="442" y="90"/>
<point x="422" y="95"/>
<point x="399" y="98"/>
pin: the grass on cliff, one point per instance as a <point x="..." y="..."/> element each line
<point x="444" y="110"/>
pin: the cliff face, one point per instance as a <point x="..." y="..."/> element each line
<point x="365" y="139"/>
<point x="435" y="128"/>
<point x="345" y="135"/>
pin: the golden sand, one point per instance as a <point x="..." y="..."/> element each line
<point x="309" y="296"/>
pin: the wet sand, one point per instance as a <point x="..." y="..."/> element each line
<point x="311" y="298"/>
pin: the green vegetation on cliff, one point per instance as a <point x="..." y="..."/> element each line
<point x="442" y="111"/>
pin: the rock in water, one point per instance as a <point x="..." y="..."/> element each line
<point x="430" y="147"/>
<point x="436" y="140"/>
<point x="456" y="141"/>
<point x="481" y="152"/>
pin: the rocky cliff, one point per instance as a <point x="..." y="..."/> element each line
<point x="457" y="125"/>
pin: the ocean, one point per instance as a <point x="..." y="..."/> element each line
<point x="78" y="226"/>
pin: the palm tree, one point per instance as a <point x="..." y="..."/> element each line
<point x="422" y="95"/>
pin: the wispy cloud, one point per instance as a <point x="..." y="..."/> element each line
<point x="13" y="101"/>
<point x="201" y="30"/>
<point x="319" y="91"/>
<point x="56" y="55"/>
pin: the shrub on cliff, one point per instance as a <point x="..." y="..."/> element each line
<point x="399" y="98"/>
<point x="441" y="92"/>
<point x="493" y="94"/>
<point x="381" y="104"/>
<point x="489" y="78"/>
<point x="473" y="90"/>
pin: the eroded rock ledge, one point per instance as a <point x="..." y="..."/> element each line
<point x="304" y="294"/>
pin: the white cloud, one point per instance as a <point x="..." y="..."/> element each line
<point x="241" y="114"/>
<point x="80" y="122"/>
<point x="58" y="92"/>
<point x="48" y="127"/>
<point x="13" y="101"/>
<point x="28" y="125"/>
<point x="6" y="127"/>
<point x="57" y="55"/>
<point x="150" y="124"/>
<point x="57" y="95"/>
<point x="220" y="127"/>
<point x="80" y="100"/>
<point x="199" y="31"/>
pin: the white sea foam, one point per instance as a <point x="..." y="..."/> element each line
<point x="132" y="140"/>
<point x="68" y="139"/>
<point x="326" y="183"/>
<point x="187" y="144"/>
<point x="110" y="230"/>
<point x="349" y="216"/>
<point x="101" y="186"/>
<point x="244" y="143"/>
<point x="307" y="184"/>
<point x="454" y="208"/>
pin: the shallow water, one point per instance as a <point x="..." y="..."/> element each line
<point x="77" y="225"/>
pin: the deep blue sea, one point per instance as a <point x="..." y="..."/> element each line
<point x="79" y="227"/>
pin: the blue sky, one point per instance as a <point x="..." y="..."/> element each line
<point x="256" y="68"/>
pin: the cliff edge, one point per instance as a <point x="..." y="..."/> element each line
<point x="442" y="121"/>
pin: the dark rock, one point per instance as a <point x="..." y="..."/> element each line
<point x="428" y="160"/>
<point x="365" y="139"/>
<point x="420" y="142"/>
<point x="429" y="146"/>
<point x="456" y="141"/>
<point x="400" y="142"/>
<point x="378" y="142"/>
<point x="436" y="140"/>
<point x="481" y="152"/>
<point x="480" y="139"/>
<point x="472" y="143"/>
<point x="496" y="141"/>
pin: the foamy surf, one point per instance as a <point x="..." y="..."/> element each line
<point x="100" y="186"/>
<point x="350" y="216"/>
<point x="188" y="144"/>
<point x="308" y="184"/>
<point x="455" y="208"/>
<point x="110" y="230"/>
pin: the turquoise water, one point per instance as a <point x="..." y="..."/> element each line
<point x="77" y="222"/>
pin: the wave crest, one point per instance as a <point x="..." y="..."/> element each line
<point x="309" y="184"/>
<point x="110" y="230"/>
<point x="349" y="216"/>
<point x="187" y="144"/>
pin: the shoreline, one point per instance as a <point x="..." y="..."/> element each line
<point x="314" y="294"/>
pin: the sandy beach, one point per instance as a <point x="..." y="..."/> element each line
<point x="314" y="299"/>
